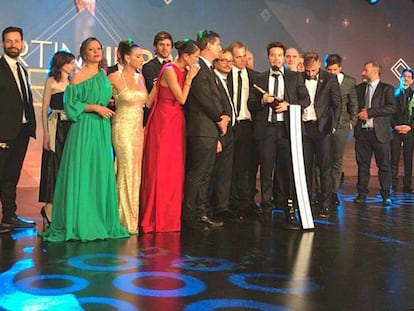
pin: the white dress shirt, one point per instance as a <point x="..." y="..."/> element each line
<point x="244" y="113"/>
<point x="309" y="113"/>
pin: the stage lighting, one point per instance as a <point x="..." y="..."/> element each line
<point x="372" y="1"/>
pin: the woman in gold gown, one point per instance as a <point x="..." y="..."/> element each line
<point x="130" y="96"/>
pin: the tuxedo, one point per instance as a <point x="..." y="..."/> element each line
<point x="112" y="69"/>
<point x="244" y="164"/>
<point x="150" y="71"/>
<point x="402" y="116"/>
<point x="375" y="140"/>
<point x="14" y="135"/>
<point x="273" y="138"/>
<point x="317" y="134"/>
<point x="348" y="117"/>
<point x="221" y="179"/>
<point x="203" y="110"/>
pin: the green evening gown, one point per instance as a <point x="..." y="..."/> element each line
<point x="85" y="204"/>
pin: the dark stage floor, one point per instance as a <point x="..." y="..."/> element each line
<point x="361" y="258"/>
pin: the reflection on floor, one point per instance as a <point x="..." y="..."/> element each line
<point x="361" y="258"/>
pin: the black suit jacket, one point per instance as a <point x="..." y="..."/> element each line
<point x="382" y="108"/>
<point x="349" y="110"/>
<point x="227" y="110"/>
<point x="112" y="69"/>
<point x="203" y="106"/>
<point x="11" y="105"/>
<point x="402" y="114"/>
<point x="295" y="94"/>
<point x="327" y="102"/>
<point x="150" y="71"/>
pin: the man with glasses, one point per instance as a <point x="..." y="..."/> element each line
<point x="220" y="185"/>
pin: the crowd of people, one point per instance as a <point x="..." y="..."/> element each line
<point x="185" y="138"/>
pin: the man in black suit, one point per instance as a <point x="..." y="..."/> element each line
<point x="117" y="66"/>
<point x="320" y="120"/>
<point x="403" y="135"/>
<point x="163" y="44"/>
<point x="240" y="81"/>
<point x="347" y="119"/>
<point x="17" y="125"/>
<point x="220" y="185"/>
<point x="271" y="128"/>
<point x="373" y="131"/>
<point x="206" y="121"/>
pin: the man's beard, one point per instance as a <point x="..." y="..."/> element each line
<point x="12" y="53"/>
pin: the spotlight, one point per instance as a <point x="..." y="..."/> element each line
<point x="372" y="1"/>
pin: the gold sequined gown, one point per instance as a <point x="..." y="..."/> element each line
<point x="128" y="139"/>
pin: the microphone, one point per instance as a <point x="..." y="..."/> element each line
<point x="276" y="69"/>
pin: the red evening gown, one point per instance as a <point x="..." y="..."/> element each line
<point x="162" y="183"/>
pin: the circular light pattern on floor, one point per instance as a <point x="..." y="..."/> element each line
<point x="80" y="262"/>
<point x="192" y="286"/>
<point x="295" y="285"/>
<point x="215" y="304"/>
<point x="118" y="304"/>
<point x="27" y="286"/>
<point x="203" y="264"/>
<point x="370" y="200"/>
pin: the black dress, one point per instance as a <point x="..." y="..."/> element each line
<point x="51" y="159"/>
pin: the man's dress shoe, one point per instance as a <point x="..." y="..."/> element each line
<point x="386" y="202"/>
<point x="4" y="229"/>
<point x="211" y="223"/>
<point x="18" y="222"/>
<point x="360" y="199"/>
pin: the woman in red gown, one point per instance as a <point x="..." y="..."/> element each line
<point x="164" y="145"/>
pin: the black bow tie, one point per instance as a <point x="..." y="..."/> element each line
<point x="165" y="61"/>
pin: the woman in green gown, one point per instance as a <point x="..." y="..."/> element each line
<point x="85" y="205"/>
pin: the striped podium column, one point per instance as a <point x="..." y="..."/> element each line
<point x="302" y="195"/>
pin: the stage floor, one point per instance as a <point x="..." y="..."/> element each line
<point x="361" y="258"/>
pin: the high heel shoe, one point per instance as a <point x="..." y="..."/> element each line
<point x="46" y="220"/>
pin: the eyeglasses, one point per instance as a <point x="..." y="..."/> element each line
<point x="223" y="60"/>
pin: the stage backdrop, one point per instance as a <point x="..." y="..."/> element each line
<point x="353" y="28"/>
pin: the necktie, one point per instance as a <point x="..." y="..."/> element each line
<point x="368" y="95"/>
<point x="23" y="89"/>
<point x="275" y="93"/>
<point x="275" y="89"/>
<point x="233" y="113"/>
<point x="239" y="92"/>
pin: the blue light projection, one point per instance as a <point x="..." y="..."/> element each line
<point x="192" y="285"/>
<point x="204" y="264"/>
<point x="12" y="298"/>
<point x="23" y="233"/>
<point x="214" y="304"/>
<point x="387" y="239"/>
<point x="296" y="285"/>
<point x="130" y="262"/>
<point x="26" y="284"/>
<point x="118" y="304"/>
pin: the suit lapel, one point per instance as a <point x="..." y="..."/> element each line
<point x="12" y="81"/>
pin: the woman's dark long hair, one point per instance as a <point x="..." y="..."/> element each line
<point x="58" y="60"/>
